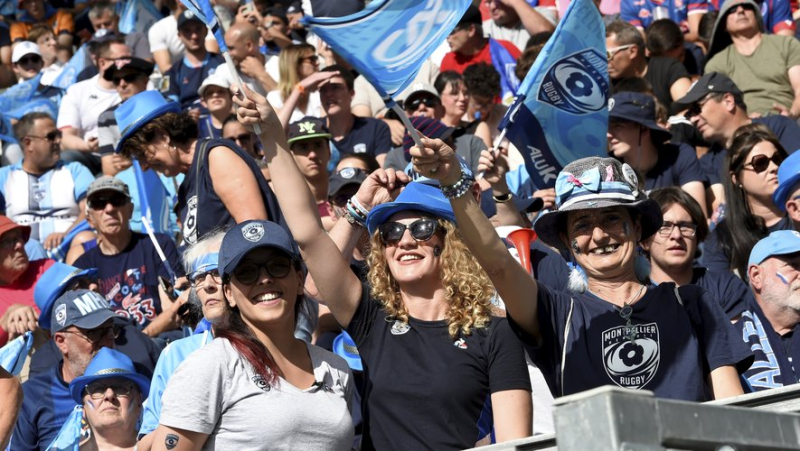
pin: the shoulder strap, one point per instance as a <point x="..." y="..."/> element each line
<point x="567" y="328"/>
<point x="203" y="149"/>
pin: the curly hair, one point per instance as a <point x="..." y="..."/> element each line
<point x="482" y="79"/>
<point x="180" y="127"/>
<point x="468" y="290"/>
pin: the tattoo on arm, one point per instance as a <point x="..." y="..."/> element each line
<point x="171" y="441"/>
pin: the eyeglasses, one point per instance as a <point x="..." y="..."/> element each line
<point x="687" y="229"/>
<point x="95" y="335"/>
<point x="51" y="136"/>
<point x="429" y="102"/>
<point x="421" y="230"/>
<point x="198" y="279"/>
<point x="760" y="163"/>
<point x="243" y="139"/>
<point x="100" y="202"/>
<point x="32" y="59"/>
<point x="309" y="59"/>
<point x="130" y="78"/>
<point x="98" y="389"/>
<point x="612" y="52"/>
<point x="10" y="241"/>
<point x="277" y="267"/>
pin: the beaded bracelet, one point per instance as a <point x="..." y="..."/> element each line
<point x="458" y="189"/>
<point x="358" y="218"/>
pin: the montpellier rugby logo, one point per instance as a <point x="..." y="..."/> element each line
<point x="575" y="84"/>
<point x="631" y="365"/>
<point x="401" y="48"/>
<point x="253" y="232"/>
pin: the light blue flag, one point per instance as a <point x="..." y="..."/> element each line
<point x="14" y="354"/>
<point x="505" y="64"/>
<point x="138" y="15"/>
<point x="69" y="75"/>
<point x="59" y="253"/>
<point x="69" y="436"/>
<point x="560" y="112"/>
<point x="204" y="10"/>
<point x="148" y="184"/>
<point x="388" y="41"/>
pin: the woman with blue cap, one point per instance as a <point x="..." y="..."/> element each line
<point x="218" y="174"/>
<point x="432" y="353"/>
<point x="614" y="328"/>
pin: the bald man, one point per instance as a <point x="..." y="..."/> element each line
<point x="242" y="40"/>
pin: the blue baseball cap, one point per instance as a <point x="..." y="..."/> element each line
<point x="81" y="308"/>
<point x="417" y="196"/>
<point x="788" y="177"/>
<point x="108" y="364"/>
<point x="639" y="108"/>
<point x="140" y="109"/>
<point x="52" y="284"/>
<point x="345" y="347"/>
<point x="251" y="235"/>
<point x="780" y="242"/>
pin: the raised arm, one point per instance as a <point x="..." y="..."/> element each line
<point x="515" y="285"/>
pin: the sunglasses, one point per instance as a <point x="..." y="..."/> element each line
<point x="241" y="139"/>
<point x="25" y="60"/>
<point x="95" y="335"/>
<point x="130" y="78"/>
<point x="52" y="136"/>
<point x="429" y="102"/>
<point x="98" y="389"/>
<point x="421" y="230"/>
<point x="612" y="52"/>
<point x="277" y="267"/>
<point x="760" y="163"/>
<point x="99" y="203"/>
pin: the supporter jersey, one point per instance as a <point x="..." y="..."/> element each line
<point x="677" y="165"/>
<point x="129" y="280"/>
<point x="206" y="129"/>
<point x="21" y="291"/>
<point x="641" y="13"/>
<point x="676" y="347"/>
<point x="60" y="20"/>
<point x="48" y="202"/>
<point x="185" y="80"/>
<point x="368" y="135"/>
<point x="423" y="389"/>
<point x="45" y="406"/>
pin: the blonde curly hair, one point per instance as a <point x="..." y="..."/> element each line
<point x="468" y="289"/>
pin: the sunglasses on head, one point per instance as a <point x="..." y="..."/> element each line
<point x="130" y="78"/>
<point x="760" y="163"/>
<point x="277" y="267"/>
<point x="100" y="202"/>
<point x="429" y="102"/>
<point x="421" y="230"/>
<point x="31" y="59"/>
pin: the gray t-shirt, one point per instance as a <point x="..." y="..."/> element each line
<point x="214" y="391"/>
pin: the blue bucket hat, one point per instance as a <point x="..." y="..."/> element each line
<point x="80" y="308"/>
<point x="780" y="242"/>
<point x="788" y="177"/>
<point x="140" y="109"/>
<point x="52" y="284"/>
<point x="345" y="347"/>
<point x="251" y="235"/>
<point x="108" y="364"/>
<point x="415" y="196"/>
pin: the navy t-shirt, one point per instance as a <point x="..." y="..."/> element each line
<point x="368" y="135"/>
<point x="185" y="80"/>
<point x="676" y="348"/>
<point x="206" y="129"/>
<point x="677" y="165"/>
<point x="714" y="256"/>
<point x="726" y="288"/>
<point x="129" y="280"/>
<point x="45" y="406"/>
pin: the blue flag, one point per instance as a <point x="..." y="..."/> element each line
<point x="388" y="41"/>
<point x="69" y="436"/>
<point x="204" y="10"/>
<point x="69" y="75"/>
<point x="138" y="15"/>
<point x="505" y="64"/>
<point x="151" y="199"/>
<point x="29" y="96"/>
<point x="59" y="253"/>
<point x="15" y="352"/>
<point x="560" y="112"/>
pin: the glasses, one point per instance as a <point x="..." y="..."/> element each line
<point x="198" y="279"/>
<point x="760" y="163"/>
<point x="99" y="203"/>
<point x="429" y="102"/>
<point x="52" y="136"/>
<point x="98" y="389"/>
<point x="243" y="140"/>
<point x="130" y="78"/>
<point x="687" y="229"/>
<point x="277" y="267"/>
<point x="95" y="335"/>
<point x="421" y="230"/>
<point x="10" y="241"/>
<point x="310" y="60"/>
<point x="612" y="52"/>
<point x="697" y="107"/>
<point x="33" y="59"/>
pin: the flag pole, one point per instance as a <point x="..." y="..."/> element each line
<point x="137" y="170"/>
<point x="406" y="122"/>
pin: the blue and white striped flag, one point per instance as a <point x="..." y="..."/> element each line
<point x="560" y="113"/>
<point x="14" y="354"/>
<point x="388" y="41"/>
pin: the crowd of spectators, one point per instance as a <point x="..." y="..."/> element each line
<point x="183" y="274"/>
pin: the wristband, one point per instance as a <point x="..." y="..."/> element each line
<point x="359" y="208"/>
<point x="300" y="88"/>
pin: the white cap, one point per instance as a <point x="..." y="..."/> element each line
<point x="24" y="48"/>
<point x="215" y="81"/>
<point x="418" y="87"/>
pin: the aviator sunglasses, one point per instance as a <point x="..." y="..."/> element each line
<point x="421" y="230"/>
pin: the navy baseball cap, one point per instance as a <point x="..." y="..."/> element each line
<point x="708" y="83"/>
<point x="780" y="242"/>
<point x="639" y="108"/>
<point x="345" y="177"/>
<point x="788" y="177"/>
<point x="248" y="236"/>
<point x="52" y="284"/>
<point x="80" y="308"/>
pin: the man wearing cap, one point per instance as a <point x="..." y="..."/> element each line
<point x="128" y="263"/>
<point x="166" y="45"/>
<point x="39" y="11"/>
<point x="130" y="77"/>
<point x="26" y="60"/>
<point x="217" y="100"/>
<point x="82" y="324"/>
<point x="769" y="323"/>
<point x="635" y="138"/>
<point x="766" y="67"/>
<point x="469" y="46"/>
<point x="716" y="108"/>
<point x="186" y="76"/>
<point x="43" y="191"/>
<point x="81" y="106"/>
<point x="517" y="20"/>
<point x="308" y="141"/>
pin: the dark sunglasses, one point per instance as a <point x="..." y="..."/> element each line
<point x="97" y="390"/>
<point x="277" y="267"/>
<point x="52" y="136"/>
<point x="99" y="203"/>
<point x="130" y="78"/>
<point x="95" y="335"/>
<point x="421" y="230"/>
<point x="33" y="59"/>
<point x="244" y="139"/>
<point x="429" y="102"/>
<point x="760" y="163"/>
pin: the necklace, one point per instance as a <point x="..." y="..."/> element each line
<point x="626" y="312"/>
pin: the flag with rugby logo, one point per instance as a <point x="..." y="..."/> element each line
<point x="388" y="41"/>
<point x="560" y="112"/>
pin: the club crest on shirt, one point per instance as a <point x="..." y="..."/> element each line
<point x="631" y="365"/>
<point x="460" y="343"/>
<point x="261" y="383"/>
<point x="399" y="328"/>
